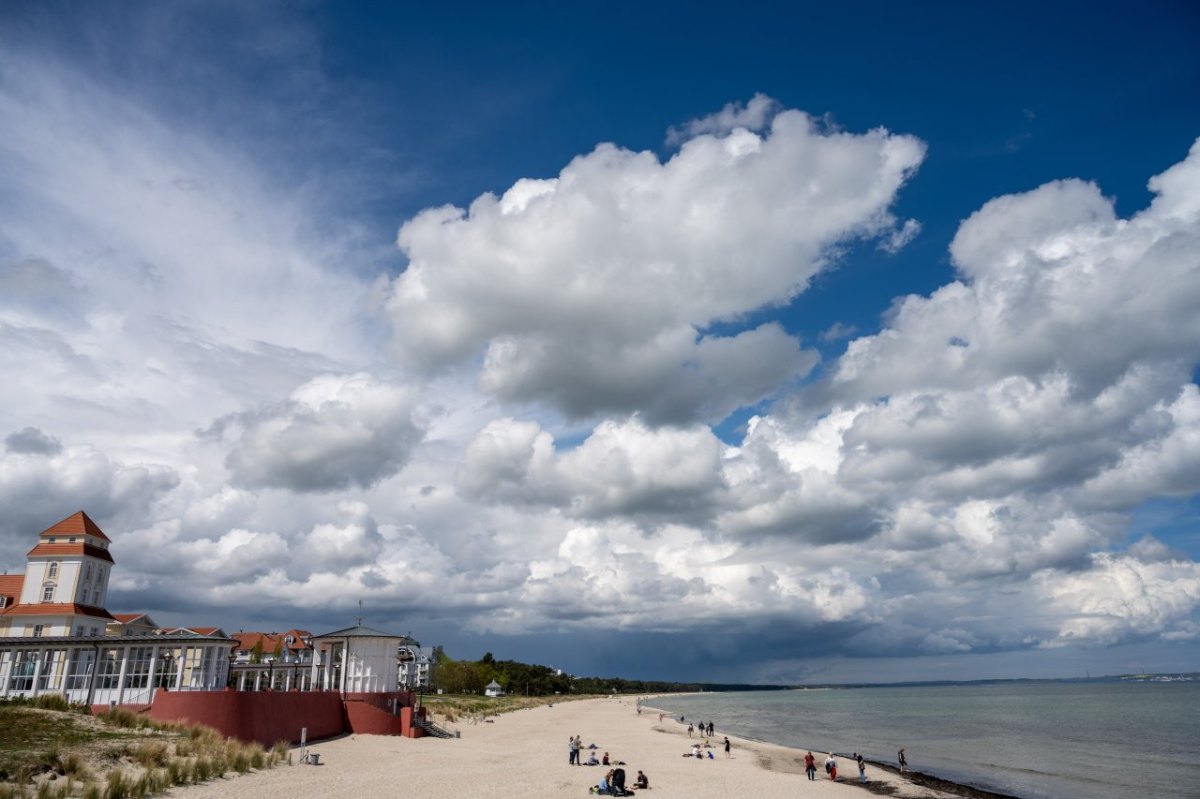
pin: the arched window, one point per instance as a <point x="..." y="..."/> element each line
<point x="53" y="570"/>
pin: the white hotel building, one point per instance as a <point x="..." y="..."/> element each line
<point x="53" y="623"/>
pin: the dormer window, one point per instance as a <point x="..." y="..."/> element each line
<point x="71" y="540"/>
<point x="289" y="640"/>
<point x="3" y="601"/>
<point x="53" y="539"/>
<point x="48" y="592"/>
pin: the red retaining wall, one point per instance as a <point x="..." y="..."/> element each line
<point x="266" y="717"/>
<point x="271" y="716"/>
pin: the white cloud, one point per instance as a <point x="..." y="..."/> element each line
<point x="754" y="115"/>
<point x="1122" y="598"/>
<point x="592" y="291"/>
<point x="331" y="433"/>
<point x="40" y="486"/>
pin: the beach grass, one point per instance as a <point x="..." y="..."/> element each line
<point x="48" y="751"/>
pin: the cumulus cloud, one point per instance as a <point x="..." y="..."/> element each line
<point x="622" y="469"/>
<point x="332" y="433"/>
<point x="753" y="115"/>
<point x="986" y="469"/>
<point x="31" y="441"/>
<point x="1122" y="598"/>
<point x="595" y="291"/>
<point x="42" y="484"/>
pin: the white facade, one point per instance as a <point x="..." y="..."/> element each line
<point x="356" y="660"/>
<point x="112" y="670"/>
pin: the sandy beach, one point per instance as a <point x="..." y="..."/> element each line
<point x="524" y="753"/>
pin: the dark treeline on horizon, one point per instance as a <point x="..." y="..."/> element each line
<point x="472" y="676"/>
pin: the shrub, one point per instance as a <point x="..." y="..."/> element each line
<point x="150" y="754"/>
<point x="115" y="786"/>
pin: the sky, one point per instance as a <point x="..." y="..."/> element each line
<point x="782" y="343"/>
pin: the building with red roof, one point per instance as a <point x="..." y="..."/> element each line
<point x="64" y="586"/>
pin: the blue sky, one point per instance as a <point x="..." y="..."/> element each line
<point x="767" y="344"/>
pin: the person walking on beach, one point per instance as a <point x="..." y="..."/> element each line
<point x="810" y="766"/>
<point x="690" y="728"/>
<point x="903" y="760"/>
<point x="831" y="766"/>
<point x="727" y="746"/>
<point x="862" y="768"/>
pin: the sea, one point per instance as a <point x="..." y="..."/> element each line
<point x="1030" y="739"/>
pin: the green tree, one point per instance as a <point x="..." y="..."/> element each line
<point x="256" y="651"/>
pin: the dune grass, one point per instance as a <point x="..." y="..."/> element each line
<point x="51" y="750"/>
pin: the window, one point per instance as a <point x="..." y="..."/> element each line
<point x="53" y="571"/>
<point x="48" y="593"/>
<point x="71" y="540"/>
<point x="3" y="601"/>
<point x="37" y="630"/>
<point x="87" y="572"/>
<point x="79" y="631"/>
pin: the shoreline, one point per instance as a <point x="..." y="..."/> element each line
<point x="792" y="758"/>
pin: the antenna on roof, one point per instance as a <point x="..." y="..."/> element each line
<point x="360" y="613"/>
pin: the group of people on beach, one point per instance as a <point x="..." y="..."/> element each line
<point x="831" y="765"/>
<point x="613" y="781"/>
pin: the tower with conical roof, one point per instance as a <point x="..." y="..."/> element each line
<point x="65" y="583"/>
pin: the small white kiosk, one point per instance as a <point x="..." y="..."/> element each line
<point x="356" y="660"/>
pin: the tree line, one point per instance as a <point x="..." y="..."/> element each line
<point x="472" y="676"/>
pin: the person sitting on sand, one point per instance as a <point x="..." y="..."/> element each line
<point x="592" y="761"/>
<point x="604" y="760"/>
<point x="642" y="781"/>
<point x="606" y="786"/>
<point x="616" y="783"/>
<point x="695" y="750"/>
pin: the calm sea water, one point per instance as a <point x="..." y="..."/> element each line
<point x="1036" y="740"/>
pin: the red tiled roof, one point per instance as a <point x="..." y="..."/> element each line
<point x="249" y="640"/>
<point x="59" y="550"/>
<point x="10" y="586"/>
<point x="56" y="609"/>
<point x="125" y="618"/>
<point x="78" y="523"/>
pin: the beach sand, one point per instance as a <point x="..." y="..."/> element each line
<point x="524" y="754"/>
